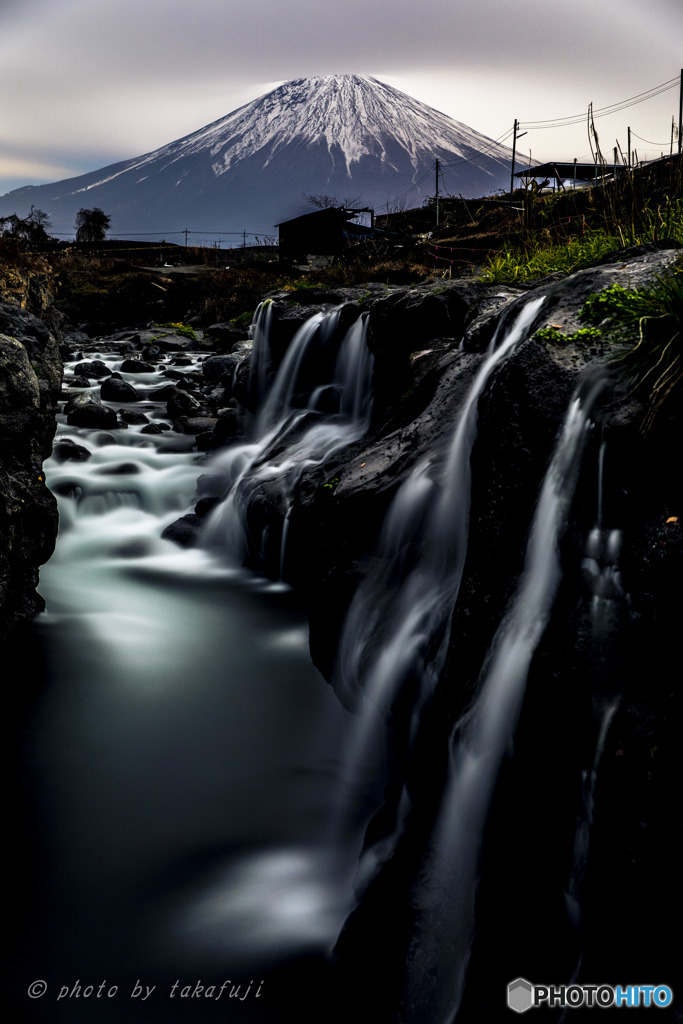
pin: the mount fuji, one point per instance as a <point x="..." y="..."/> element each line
<point x="335" y="135"/>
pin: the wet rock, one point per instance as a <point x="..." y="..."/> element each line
<point x="181" y="404"/>
<point x="115" y="390"/>
<point x="133" y="416"/>
<point x="225" y="335"/>
<point x="164" y="393"/>
<point x="228" y="425"/>
<point x="215" y="367"/>
<point x="87" y="411"/>
<point x="184" y="531"/>
<point x="30" y="383"/>
<point x="67" y="450"/>
<point x="93" y="368"/>
<point x="137" y="366"/>
<point x="206" y="505"/>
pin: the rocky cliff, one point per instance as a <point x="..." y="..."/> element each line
<point x="30" y="382"/>
<point x="600" y="689"/>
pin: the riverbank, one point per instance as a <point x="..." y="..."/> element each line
<point x="334" y="511"/>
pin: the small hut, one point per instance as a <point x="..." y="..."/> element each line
<point x="323" y="232"/>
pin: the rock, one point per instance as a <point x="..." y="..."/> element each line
<point x="114" y="390"/>
<point x="206" y="505"/>
<point x="93" y="368"/>
<point x="87" y="411"/>
<point x="19" y="391"/>
<point x="194" y="424"/>
<point x="137" y="366"/>
<point x="215" y="367"/>
<point x="228" y="425"/>
<point x="67" y="450"/>
<point x="181" y="404"/>
<point x="184" y="531"/>
<point x="133" y="416"/>
<point x="225" y="335"/>
<point x="164" y="393"/>
<point x="30" y="382"/>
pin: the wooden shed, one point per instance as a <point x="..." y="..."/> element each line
<point x="323" y="232"/>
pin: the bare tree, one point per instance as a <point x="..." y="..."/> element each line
<point x="31" y="228"/>
<point x="325" y="202"/>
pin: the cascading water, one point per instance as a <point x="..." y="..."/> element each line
<point x="182" y="777"/>
<point x="445" y="901"/>
<point x="398" y="624"/>
<point x="187" y="743"/>
<point x="289" y="431"/>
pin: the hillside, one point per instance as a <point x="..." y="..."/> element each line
<point x="338" y="135"/>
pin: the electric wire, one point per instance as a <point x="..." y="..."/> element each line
<point x="613" y="108"/>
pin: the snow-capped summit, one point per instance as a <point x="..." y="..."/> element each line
<point x="334" y="135"/>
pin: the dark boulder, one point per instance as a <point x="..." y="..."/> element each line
<point x="181" y="403"/>
<point x="133" y="417"/>
<point x="215" y="367"/>
<point x="116" y="390"/>
<point x="194" y="424"/>
<point x="225" y="335"/>
<point x="30" y="382"/>
<point x="87" y="411"/>
<point x="137" y="366"/>
<point x="93" y="368"/>
<point x="163" y="393"/>
<point x="67" y="450"/>
<point x="184" y="531"/>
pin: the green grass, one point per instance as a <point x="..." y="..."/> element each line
<point x="541" y="255"/>
<point x="539" y="258"/>
<point x="647" y="326"/>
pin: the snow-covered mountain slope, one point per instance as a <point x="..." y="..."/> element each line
<point x="337" y="135"/>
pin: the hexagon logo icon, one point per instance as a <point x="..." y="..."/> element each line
<point x="520" y="995"/>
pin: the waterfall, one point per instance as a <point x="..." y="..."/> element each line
<point x="398" y="624"/>
<point x="293" y="427"/>
<point x="445" y="901"/>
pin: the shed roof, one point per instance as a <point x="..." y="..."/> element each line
<point x="569" y="169"/>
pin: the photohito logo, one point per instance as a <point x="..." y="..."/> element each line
<point x="522" y="995"/>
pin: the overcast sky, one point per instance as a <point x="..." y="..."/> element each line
<point x="84" y="83"/>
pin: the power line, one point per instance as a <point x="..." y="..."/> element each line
<point x="649" y="141"/>
<point x="613" y="108"/>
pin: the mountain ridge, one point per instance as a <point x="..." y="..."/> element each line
<point x="252" y="167"/>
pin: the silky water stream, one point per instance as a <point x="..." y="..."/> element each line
<point x="193" y="780"/>
<point x="182" y="756"/>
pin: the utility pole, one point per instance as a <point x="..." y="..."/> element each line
<point x="514" y="147"/>
<point x="680" y="114"/>
<point x="515" y="136"/>
<point x="437" y="192"/>
<point x="186" y="233"/>
<point x="629" y="148"/>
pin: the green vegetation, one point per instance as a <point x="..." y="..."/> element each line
<point x="332" y="484"/>
<point x="183" y="329"/>
<point x="653" y="318"/>
<point x="243" y="320"/>
<point x="540" y="257"/>
<point x="566" y="230"/>
<point x="555" y="336"/>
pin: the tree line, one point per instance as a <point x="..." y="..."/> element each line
<point x="90" y="226"/>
